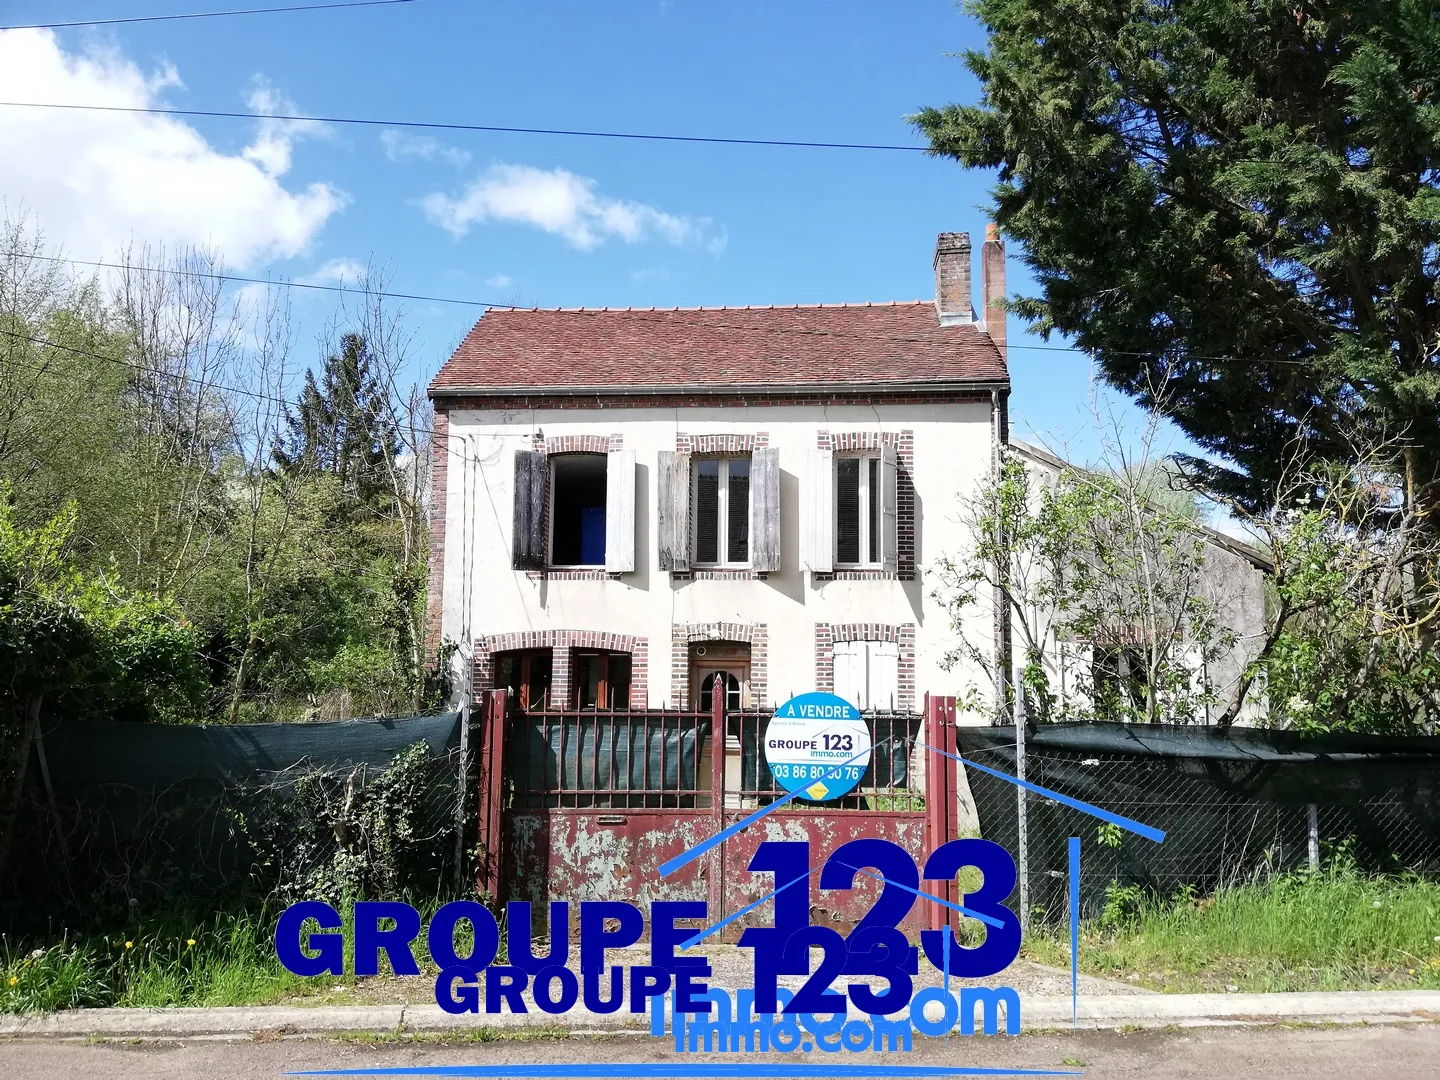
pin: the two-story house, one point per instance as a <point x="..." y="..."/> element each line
<point x="628" y="505"/>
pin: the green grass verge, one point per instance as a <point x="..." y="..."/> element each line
<point x="1338" y="930"/>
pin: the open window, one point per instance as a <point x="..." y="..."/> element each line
<point x="577" y="509"/>
<point x="588" y="501"/>
<point x="525" y="676"/>
<point x="601" y="680"/>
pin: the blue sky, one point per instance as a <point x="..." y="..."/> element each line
<point x="524" y="218"/>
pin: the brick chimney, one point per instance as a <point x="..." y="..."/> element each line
<point x="953" y="302"/>
<point x="992" y="286"/>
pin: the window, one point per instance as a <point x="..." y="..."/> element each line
<point x="857" y="511"/>
<point x="722" y="511"/>
<point x="867" y="673"/>
<point x="577" y="510"/>
<point x="525" y="675"/>
<point x="602" y="680"/>
<point x="1119" y="680"/>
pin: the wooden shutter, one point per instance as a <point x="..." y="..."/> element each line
<point x="889" y="537"/>
<point x="620" y="511"/>
<point x="883" y="674"/>
<point x="672" y="511"/>
<point x="849" y="667"/>
<point x="819" y="524"/>
<point x="765" y="509"/>
<point x="527" y="541"/>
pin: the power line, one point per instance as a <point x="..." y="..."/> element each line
<point x="207" y="14"/>
<point x="648" y="315"/>
<point x="437" y="126"/>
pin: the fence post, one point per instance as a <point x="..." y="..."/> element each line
<point x="941" y="796"/>
<point x="489" y="869"/>
<point x="1314" y="829"/>
<point x="1022" y="822"/>
<point x="715" y="884"/>
<point x="462" y="788"/>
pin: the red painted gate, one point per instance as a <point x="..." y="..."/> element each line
<point x="586" y="805"/>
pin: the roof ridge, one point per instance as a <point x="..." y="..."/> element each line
<point x="720" y="307"/>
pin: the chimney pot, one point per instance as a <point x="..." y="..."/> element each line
<point x="953" y="302"/>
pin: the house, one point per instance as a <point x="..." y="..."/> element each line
<point x="629" y="505"/>
<point x="1231" y="577"/>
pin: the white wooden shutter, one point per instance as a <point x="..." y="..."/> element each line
<point x="765" y="509"/>
<point x="672" y="511"/>
<point x="889" y="537"/>
<point x="620" y="511"/>
<point x="819" y="525"/>
<point x="883" y="674"/>
<point x="850" y="673"/>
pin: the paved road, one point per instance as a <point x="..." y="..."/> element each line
<point x="1352" y="1053"/>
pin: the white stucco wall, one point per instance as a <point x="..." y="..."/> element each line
<point x="484" y="596"/>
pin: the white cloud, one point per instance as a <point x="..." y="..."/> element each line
<point x="566" y="205"/>
<point x="499" y="281"/>
<point x="402" y="146"/>
<point x="337" y="271"/>
<point x="97" y="181"/>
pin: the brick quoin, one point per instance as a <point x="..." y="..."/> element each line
<point x="562" y="644"/>
<point x="435" y="586"/>
<point x="903" y="634"/>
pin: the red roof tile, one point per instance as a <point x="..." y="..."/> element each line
<point x="676" y="348"/>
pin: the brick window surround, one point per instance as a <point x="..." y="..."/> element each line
<point x="683" y="635"/>
<point x="903" y="443"/>
<point x="687" y="443"/>
<point x="562" y="644"/>
<point x="903" y="634"/>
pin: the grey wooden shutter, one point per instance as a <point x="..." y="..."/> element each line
<point x="672" y="511"/>
<point x="889" y="534"/>
<point x="765" y="509"/>
<point x="819" y="522"/>
<point x="527" y="542"/>
<point x="620" y="511"/>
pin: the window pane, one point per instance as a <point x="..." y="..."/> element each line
<point x="587" y="679"/>
<point x="577" y="525"/>
<point x="619" y="687"/>
<point x="707" y="512"/>
<point x="847" y="510"/>
<point x="873" y="512"/>
<point x="538" y="692"/>
<point x="737" y="526"/>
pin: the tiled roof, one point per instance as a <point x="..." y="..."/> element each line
<point x="678" y="348"/>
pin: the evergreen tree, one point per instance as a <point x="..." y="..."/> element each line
<point x="341" y="424"/>
<point x="1235" y="201"/>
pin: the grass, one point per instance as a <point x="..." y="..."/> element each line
<point x="1338" y="930"/>
<point x="537" y="1033"/>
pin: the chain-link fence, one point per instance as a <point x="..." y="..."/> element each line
<point x="129" y="821"/>
<point x="1231" y="804"/>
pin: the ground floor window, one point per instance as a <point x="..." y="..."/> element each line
<point x="525" y="675"/>
<point x="601" y="680"/>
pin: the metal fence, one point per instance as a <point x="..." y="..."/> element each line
<point x="1232" y="806"/>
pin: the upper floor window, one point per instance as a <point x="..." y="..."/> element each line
<point x="722" y="511"/>
<point x="718" y="511"/>
<point x="857" y="510"/>
<point x="577" y="510"/>
<point x="588" y="501"/>
<point x="850" y="518"/>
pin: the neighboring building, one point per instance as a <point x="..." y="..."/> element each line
<point x="631" y="504"/>
<point x="1233" y="579"/>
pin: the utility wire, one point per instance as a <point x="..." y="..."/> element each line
<point x="646" y="314"/>
<point x="437" y="126"/>
<point x="206" y="14"/>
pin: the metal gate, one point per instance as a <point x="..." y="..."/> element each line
<point x="586" y="805"/>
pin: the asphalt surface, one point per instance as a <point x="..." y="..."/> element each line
<point x="1395" y="1052"/>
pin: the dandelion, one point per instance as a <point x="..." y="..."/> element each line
<point x="37" y="954"/>
<point x="14" y="980"/>
<point x="1376" y="904"/>
<point x="190" y="943"/>
<point x="129" y="944"/>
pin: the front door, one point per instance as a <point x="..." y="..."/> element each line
<point x="727" y="663"/>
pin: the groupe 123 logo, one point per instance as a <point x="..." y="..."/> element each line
<point x="876" y="963"/>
